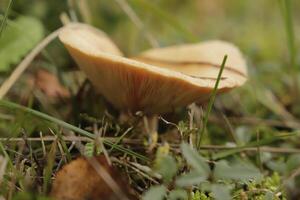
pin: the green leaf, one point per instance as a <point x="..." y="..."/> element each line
<point x="277" y="165"/>
<point x="194" y="159"/>
<point x="155" y="192"/>
<point x="242" y="134"/>
<point x="293" y="162"/>
<point x="190" y="179"/>
<point x="269" y="196"/>
<point x="178" y="195"/>
<point x="17" y="39"/>
<point x="220" y="192"/>
<point x="239" y="171"/>
<point x="166" y="166"/>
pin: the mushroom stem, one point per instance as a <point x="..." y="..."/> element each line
<point x="151" y="125"/>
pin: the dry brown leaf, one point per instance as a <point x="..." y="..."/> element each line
<point x="158" y="80"/>
<point x="79" y="180"/>
<point x="49" y="84"/>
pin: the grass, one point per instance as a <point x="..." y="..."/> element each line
<point x="13" y="106"/>
<point x="286" y="7"/>
<point x="3" y="23"/>
<point x="259" y="143"/>
<point x="3" y="151"/>
<point x="211" y="103"/>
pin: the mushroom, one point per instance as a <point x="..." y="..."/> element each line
<point x="158" y="80"/>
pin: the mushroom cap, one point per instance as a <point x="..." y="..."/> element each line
<point x="157" y="80"/>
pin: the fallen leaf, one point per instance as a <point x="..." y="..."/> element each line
<point x="90" y="178"/>
<point x="49" y="84"/>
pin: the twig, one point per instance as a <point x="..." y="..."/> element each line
<point x="139" y="170"/>
<point x="69" y="139"/>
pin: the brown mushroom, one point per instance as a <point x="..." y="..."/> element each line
<point x="157" y="80"/>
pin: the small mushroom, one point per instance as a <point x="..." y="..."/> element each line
<point x="158" y="80"/>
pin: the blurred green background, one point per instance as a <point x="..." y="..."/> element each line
<point x="256" y="27"/>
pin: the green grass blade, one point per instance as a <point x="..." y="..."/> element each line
<point x="49" y="167"/>
<point x="4" y="152"/>
<point x="170" y="19"/>
<point x="259" y="143"/>
<point x="64" y="146"/>
<point x="286" y="8"/>
<point x="13" y="106"/>
<point x="3" y="23"/>
<point x="120" y="138"/>
<point x="211" y="103"/>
